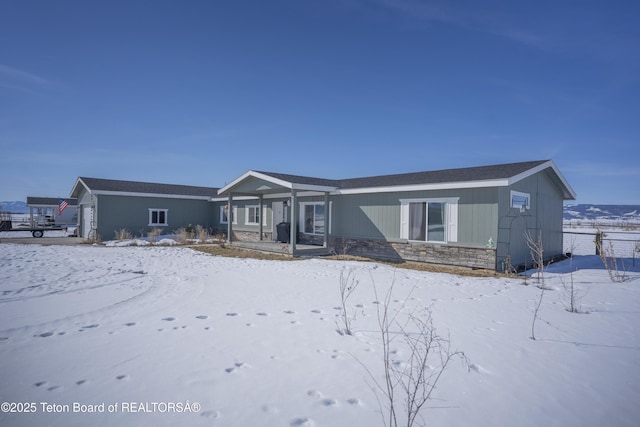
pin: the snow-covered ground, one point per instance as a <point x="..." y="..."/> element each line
<point x="244" y="342"/>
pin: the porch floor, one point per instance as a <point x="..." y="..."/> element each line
<point x="282" y="248"/>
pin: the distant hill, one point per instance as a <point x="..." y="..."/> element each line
<point x="603" y="213"/>
<point x="14" y="207"/>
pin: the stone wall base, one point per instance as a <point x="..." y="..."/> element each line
<point x="455" y="255"/>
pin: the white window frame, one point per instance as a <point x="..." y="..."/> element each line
<point x="158" y="224"/>
<point x="250" y="219"/>
<point x="526" y="196"/>
<point x="264" y="215"/>
<point x="450" y="215"/>
<point x="234" y="214"/>
<point x="301" y="218"/>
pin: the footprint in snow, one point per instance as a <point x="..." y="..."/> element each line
<point x="477" y="368"/>
<point x="329" y="402"/>
<point x="210" y="414"/>
<point x="122" y="377"/>
<point x="354" y="401"/>
<point x="302" y="422"/>
<point x="314" y="393"/>
<point x="44" y="334"/>
<point x="202" y="317"/>
<point x="316" y="311"/>
<point x="130" y="324"/>
<point x="236" y="366"/>
<point x="80" y="382"/>
<point x="40" y="383"/>
<point x="262" y="313"/>
<point x="169" y="319"/>
<point x="232" y="314"/>
<point x="289" y="312"/>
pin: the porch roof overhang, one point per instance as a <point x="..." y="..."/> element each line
<point x="253" y="183"/>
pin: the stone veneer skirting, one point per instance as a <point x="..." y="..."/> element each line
<point x="448" y="254"/>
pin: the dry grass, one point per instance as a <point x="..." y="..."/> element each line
<point x="234" y="252"/>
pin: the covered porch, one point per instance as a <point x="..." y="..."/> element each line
<point x="309" y="219"/>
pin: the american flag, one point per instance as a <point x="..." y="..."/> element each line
<point x="62" y="203"/>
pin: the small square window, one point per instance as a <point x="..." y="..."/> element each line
<point x="520" y="200"/>
<point x="158" y="217"/>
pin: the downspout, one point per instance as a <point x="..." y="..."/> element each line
<point x="229" y="217"/>
<point x="327" y="219"/>
<point x="260" y="213"/>
<point x="294" y="221"/>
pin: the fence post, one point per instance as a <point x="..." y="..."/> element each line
<point x="598" y="242"/>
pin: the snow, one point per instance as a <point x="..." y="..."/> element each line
<point x="253" y="342"/>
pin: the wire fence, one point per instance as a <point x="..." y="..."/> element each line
<point x="625" y="244"/>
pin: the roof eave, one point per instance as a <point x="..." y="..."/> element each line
<point x="276" y="181"/>
<point x="568" y="193"/>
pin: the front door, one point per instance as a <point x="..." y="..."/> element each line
<point x="279" y="215"/>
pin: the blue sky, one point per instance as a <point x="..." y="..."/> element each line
<point x="199" y="92"/>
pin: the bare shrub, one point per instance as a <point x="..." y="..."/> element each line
<point x="537" y="255"/>
<point x="536" y="247"/>
<point x="202" y="234"/>
<point x="409" y="385"/>
<point x="153" y="235"/>
<point x="182" y="236"/>
<point x="123" y="234"/>
<point x="348" y="285"/>
<point x="615" y="267"/>
<point x="572" y="296"/>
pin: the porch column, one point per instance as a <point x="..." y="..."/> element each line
<point x="327" y="218"/>
<point x="260" y="213"/>
<point x="229" y="217"/>
<point x="294" y="221"/>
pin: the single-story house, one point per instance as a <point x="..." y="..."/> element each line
<point x="473" y="217"/>
<point x="106" y="206"/>
<point x="46" y="211"/>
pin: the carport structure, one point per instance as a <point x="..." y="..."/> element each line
<point x="267" y="186"/>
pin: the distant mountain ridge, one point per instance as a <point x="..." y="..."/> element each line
<point x="14" y="207"/>
<point x="622" y="213"/>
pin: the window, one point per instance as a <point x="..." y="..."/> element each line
<point x="253" y="215"/>
<point x="224" y="214"/>
<point x="313" y="218"/>
<point x="429" y="220"/>
<point x="520" y="200"/>
<point x="158" y="217"/>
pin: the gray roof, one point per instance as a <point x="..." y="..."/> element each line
<point x="113" y="185"/>
<point x="478" y="173"/>
<point x="49" y="201"/>
<point x="303" y="179"/>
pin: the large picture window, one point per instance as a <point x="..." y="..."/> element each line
<point x="158" y="217"/>
<point x="429" y="220"/>
<point x="313" y="218"/>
